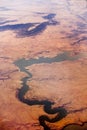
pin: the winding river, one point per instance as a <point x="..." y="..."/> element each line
<point x="47" y="104"/>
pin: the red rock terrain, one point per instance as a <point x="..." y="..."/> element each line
<point x="58" y="28"/>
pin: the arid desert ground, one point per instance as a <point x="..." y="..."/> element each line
<point x="43" y="65"/>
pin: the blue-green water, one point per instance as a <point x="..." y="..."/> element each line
<point x="60" y="111"/>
